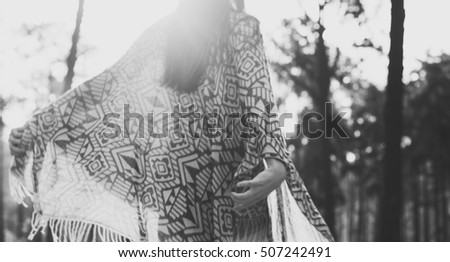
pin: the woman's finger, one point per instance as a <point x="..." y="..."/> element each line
<point x="17" y="151"/>
<point x="14" y="141"/>
<point x="247" y="183"/>
<point x="239" y="207"/>
<point x="17" y="132"/>
<point x="241" y="196"/>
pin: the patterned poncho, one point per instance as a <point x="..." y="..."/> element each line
<point x="93" y="175"/>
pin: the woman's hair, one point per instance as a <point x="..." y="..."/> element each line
<point x="199" y="31"/>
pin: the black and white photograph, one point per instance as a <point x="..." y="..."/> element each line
<point x="272" y="122"/>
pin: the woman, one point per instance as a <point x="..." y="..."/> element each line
<point x="96" y="174"/>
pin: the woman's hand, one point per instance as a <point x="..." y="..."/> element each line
<point x="14" y="142"/>
<point x="261" y="186"/>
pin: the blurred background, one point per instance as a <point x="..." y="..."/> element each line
<point x="390" y="181"/>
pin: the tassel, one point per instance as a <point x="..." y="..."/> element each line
<point x="19" y="191"/>
<point x="17" y="186"/>
<point x="66" y="230"/>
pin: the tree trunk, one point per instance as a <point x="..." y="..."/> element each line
<point x="416" y="206"/>
<point x="426" y="207"/>
<point x="391" y="207"/>
<point x="362" y="211"/>
<point x="438" y="223"/>
<point x="442" y="173"/>
<point x="324" y="80"/>
<point x="72" y="57"/>
<point x="444" y="203"/>
<point x="2" y="222"/>
<point x="445" y="208"/>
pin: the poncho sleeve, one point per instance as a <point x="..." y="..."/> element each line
<point x="263" y="135"/>
<point x="75" y="153"/>
<point x="294" y="215"/>
<point x="74" y="113"/>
